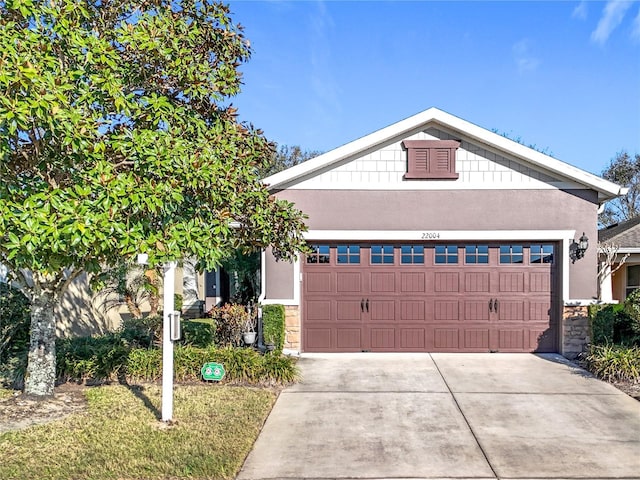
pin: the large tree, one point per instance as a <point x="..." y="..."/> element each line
<point x="117" y="137"/>
<point x="623" y="170"/>
<point x="286" y="156"/>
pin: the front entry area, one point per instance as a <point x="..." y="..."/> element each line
<point x="430" y="297"/>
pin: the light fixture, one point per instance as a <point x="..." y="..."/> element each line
<point x="581" y="246"/>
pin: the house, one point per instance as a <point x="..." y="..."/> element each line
<point x="436" y="235"/>
<point x="625" y="239"/>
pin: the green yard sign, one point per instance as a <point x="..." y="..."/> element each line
<point x="213" y="371"/>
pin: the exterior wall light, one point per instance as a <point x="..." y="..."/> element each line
<point x="581" y="246"/>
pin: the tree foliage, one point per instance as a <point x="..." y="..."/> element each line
<point x="285" y="157"/>
<point x="624" y="170"/>
<point x="116" y="137"/>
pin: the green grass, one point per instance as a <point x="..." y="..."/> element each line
<point x="120" y="438"/>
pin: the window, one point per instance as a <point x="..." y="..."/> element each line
<point x="431" y="159"/>
<point x="348" y="253"/>
<point x="511" y="254"/>
<point x="476" y="254"/>
<point x="412" y="254"/>
<point x="446" y="254"/>
<point x="319" y="254"/>
<point x="633" y="278"/>
<point x="381" y="254"/>
<point x="541" y="254"/>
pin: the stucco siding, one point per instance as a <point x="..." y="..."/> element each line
<point x="477" y="166"/>
<point x="279" y="285"/>
<point x="482" y="210"/>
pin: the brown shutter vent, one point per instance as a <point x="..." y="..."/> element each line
<point x="431" y="159"/>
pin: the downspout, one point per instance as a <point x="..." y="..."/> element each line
<point x="263" y="295"/>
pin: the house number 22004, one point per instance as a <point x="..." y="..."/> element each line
<point x="430" y="235"/>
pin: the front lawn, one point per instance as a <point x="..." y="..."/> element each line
<point x="120" y="436"/>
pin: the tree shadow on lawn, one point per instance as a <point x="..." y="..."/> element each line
<point x="138" y="391"/>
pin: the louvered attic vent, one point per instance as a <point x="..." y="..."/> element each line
<point x="431" y="159"/>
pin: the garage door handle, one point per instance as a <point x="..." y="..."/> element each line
<point x="367" y="305"/>
<point x="491" y="305"/>
<point x="362" y="305"/>
<point x="495" y="305"/>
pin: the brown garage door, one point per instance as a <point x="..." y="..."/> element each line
<point x="472" y="297"/>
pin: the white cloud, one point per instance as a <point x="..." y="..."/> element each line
<point x="580" y="12"/>
<point x="525" y="61"/>
<point x="612" y="16"/>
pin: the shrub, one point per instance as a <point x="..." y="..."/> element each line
<point x="614" y="362"/>
<point x="616" y="324"/>
<point x="91" y="358"/>
<point x="199" y="332"/>
<point x="15" y="322"/>
<point x="144" y="364"/>
<point x="230" y="321"/>
<point x="273" y="317"/>
<point x="142" y="332"/>
<point x="243" y="365"/>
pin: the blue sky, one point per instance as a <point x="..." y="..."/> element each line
<point x="563" y="75"/>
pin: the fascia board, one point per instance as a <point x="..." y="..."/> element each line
<point x="606" y="189"/>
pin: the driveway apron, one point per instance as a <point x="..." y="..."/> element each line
<point x="462" y="416"/>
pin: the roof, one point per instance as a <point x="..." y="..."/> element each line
<point x="433" y="116"/>
<point x="625" y="235"/>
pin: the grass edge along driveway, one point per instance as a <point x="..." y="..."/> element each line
<point x="120" y="437"/>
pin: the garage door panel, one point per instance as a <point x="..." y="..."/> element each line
<point x="446" y="311"/>
<point x="511" y="282"/>
<point x="318" y="310"/>
<point x="477" y="282"/>
<point x="383" y="310"/>
<point x="511" y="339"/>
<point x="542" y="340"/>
<point x="412" y="338"/>
<point x="511" y="311"/>
<point x="318" y="282"/>
<point x="318" y="339"/>
<point x="412" y="282"/>
<point x="446" y="282"/>
<point x="348" y="282"/>
<point x="539" y="310"/>
<point x="446" y="338"/>
<point x="383" y="282"/>
<point x="476" y="310"/>
<point x="349" y="339"/>
<point x="348" y="310"/>
<point x="412" y="310"/>
<point x="540" y="282"/>
<point x="476" y="338"/>
<point x="382" y="338"/>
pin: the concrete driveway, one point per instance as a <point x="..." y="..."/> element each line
<point x="462" y="416"/>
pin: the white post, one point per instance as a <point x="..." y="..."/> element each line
<point x="606" y="286"/>
<point x="167" y="344"/>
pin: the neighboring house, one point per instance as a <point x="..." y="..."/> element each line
<point x="626" y="237"/>
<point x="434" y="234"/>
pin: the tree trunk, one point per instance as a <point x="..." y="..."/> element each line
<point x="41" y="369"/>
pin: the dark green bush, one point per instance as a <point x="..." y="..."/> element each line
<point x="614" y="362"/>
<point x="273" y="318"/>
<point x="614" y="324"/>
<point x="91" y="358"/>
<point x="199" y="332"/>
<point x="15" y="323"/>
<point x="142" y="332"/>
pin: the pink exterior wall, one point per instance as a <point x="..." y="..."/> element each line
<point x="550" y="209"/>
<point x="279" y="284"/>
